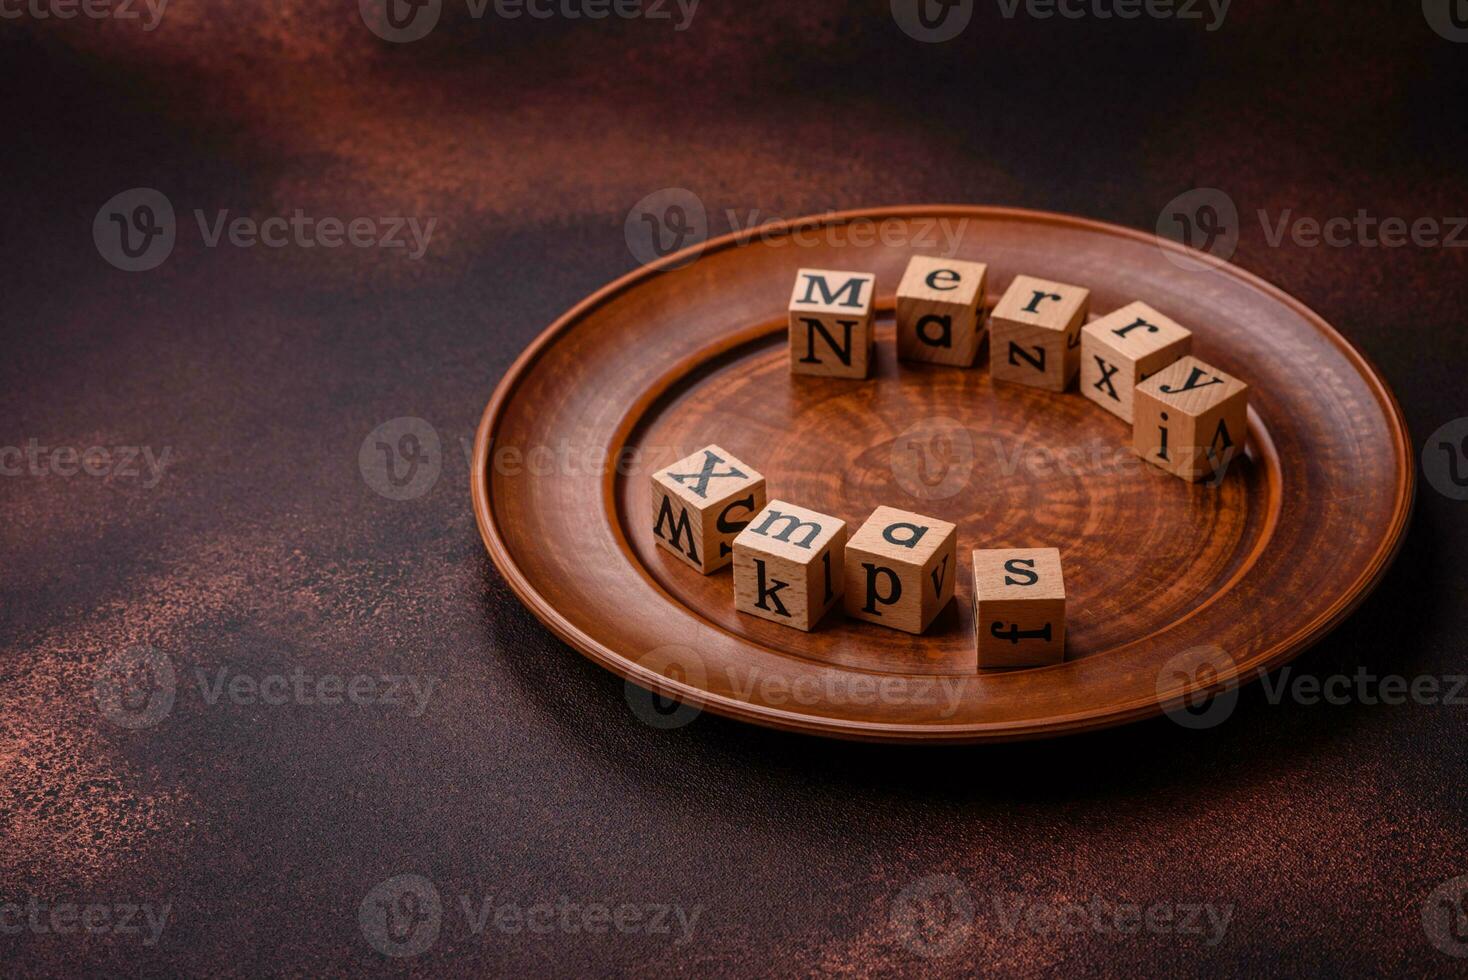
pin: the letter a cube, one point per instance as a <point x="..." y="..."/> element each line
<point x="700" y="503"/>
<point x="1019" y="607"/>
<point x="1035" y="333"/>
<point x="940" y="311"/>
<point x="1191" y="419"/>
<point x="831" y="331"/>
<point x="787" y="565"/>
<point x="1125" y="348"/>
<point x="900" y="569"/>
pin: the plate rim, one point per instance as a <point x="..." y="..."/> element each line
<point x="770" y="717"/>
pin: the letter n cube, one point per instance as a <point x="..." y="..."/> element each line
<point x="1191" y="419"/>
<point x="831" y="330"/>
<point x="1019" y="607"/>
<point x="700" y="503"/>
<point x="900" y="569"/>
<point x="787" y="565"/>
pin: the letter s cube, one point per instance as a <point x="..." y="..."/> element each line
<point x="1019" y="607"/>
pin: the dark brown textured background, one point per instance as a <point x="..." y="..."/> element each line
<point x="262" y="549"/>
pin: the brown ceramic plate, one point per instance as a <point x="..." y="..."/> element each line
<point x="1174" y="590"/>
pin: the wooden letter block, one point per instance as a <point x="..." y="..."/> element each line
<point x="940" y="311"/>
<point x="787" y="565"/>
<point x="1125" y="348"/>
<point x="1191" y="419"/>
<point x="700" y="503"/>
<point x="1019" y="607"/>
<point x="831" y="331"/>
<point x="1034" y="333"/>
<point x="900" y="569"/>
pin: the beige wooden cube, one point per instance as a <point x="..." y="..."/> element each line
<point x="1034" y="333"/>
<point x="1019" y="607"/>
<point x="1125" y="348"/>
<point x="1191" y="419"/>
<point x="831" y="329"/>
<point x="787" y="565"/>
<point x="940" y="311"/>
<point x="900" y="569"/>
<point x="700" y="503"/>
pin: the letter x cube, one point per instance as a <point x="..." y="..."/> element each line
<point x="700" y="503"/>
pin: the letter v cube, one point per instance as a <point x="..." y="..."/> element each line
<point x="700" y="503"/>
<point x="831" y="330"/>
<point x="900" y="569"/>
<point x="787" y="565"/>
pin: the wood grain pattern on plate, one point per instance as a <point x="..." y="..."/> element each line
<point x="1172" y="588"/>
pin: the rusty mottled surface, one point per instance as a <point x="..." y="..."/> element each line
<point x="259" y="549"/>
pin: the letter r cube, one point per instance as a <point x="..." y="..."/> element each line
<point x="787" y="565"/>
<point x="1125" y="348"/>
<point x="700" y="503"/>
<point x="1035" y="333"/>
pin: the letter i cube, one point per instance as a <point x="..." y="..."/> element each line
<point x="900" y="569"/>
<point x="1125" y="348"/>
<point x="831" y="330"/>
<point x="1191" y="419"/>
<point x="1019" y="607"/>
<point x="940" y="311"/>
<point x="1035" y="333"/>
<point x="700" y="503"/>
<point x="787" y="565"/>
